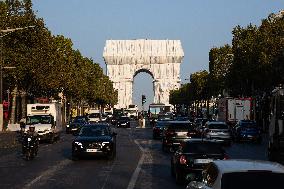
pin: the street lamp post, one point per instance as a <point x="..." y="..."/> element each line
<point x="5" y="33"/>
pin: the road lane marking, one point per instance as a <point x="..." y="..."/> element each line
<point x="108" y="174"/>
<point x="48" y="173"/>
<point x="135" y="175"/>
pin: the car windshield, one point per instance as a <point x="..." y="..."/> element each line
<point x="203" y="148"/>
<point x="94" y="115"/>
<point x="43" y="119"/>
<point x="162" y="124"/>
<point x="165" y="117"/>
<point x="218" y="126"/>
<point x="124" y="119"/>
<point x="79" y="119"/>
<point x="248" y="124"/>
<point x="93" y="131"/>
<point x="179" y="126"/>
<point x="253" y="179"/>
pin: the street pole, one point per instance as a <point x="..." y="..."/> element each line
<point x="1" y="84"/>
<point x="6" y="32"/>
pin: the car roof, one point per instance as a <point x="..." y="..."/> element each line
<point x="177" y="121"/>
<point x="192" y="140"/>
<point x="216" y="122"/>
<point x="244" y="165"/>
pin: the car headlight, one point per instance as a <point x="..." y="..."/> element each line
<point x="79" y="143"/>
<point x="104" y="143"/>
<point x="67" y="125"/>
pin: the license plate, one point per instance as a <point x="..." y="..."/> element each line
<point x="202" y="161"/>
<point x="181" y="133"/>
<point x="74" y="129"/>
<point x="92" y="150"/>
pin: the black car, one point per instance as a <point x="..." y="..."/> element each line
<point x="189" y="160"/>
<point x="75" y="125"/>
<point x="94" y="139"/>
<point x="247" y="130"/>
<point x="159" y="128"/>
<point x="123" y="121"/>
<point x="176" y="133"/>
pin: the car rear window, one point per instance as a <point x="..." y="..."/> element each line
<point x="179" y="126"/>
<point x="218" y="126"/>
<point x="94" y="115"/>
<point x="254" y="179"/>
<point x="203" y="148"/>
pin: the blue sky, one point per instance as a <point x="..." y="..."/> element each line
<point x="199" y="24"/>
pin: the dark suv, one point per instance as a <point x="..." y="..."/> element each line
<point x="189" y="160"/>
<point x="176" y="133"/>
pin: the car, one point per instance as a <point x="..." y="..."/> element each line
<point x="200" y="121"/>
<point x="246" y="130"/>
<point x="94" y="117"/>
<point x="176" y="133"/>
<point x="189" y="160"/>
<point x="104" y="117"/>
<point x="123" y="121"/>
<point x="165" y="116"/>
<point x="244" y="174"/>
<point x="75" y="125"/>
<point x="158" y="129"/>
<point x="94" y="139"/>
<point x="182" y="118"/>
<point x="217" y="130"/>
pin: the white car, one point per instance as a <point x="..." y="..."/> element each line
<point x="240" y="174"/>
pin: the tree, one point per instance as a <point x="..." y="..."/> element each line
<point x="220" y="61"/>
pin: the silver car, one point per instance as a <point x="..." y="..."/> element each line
<point x="217" y="130"/>
<point x="240" y="174"/>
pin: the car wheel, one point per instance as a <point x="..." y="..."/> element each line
<point x="111" y="156"/>
<point x="74" y="157"/>
<point x="178" y="177"/>
<point x="259" y="140"/>
<point x="172" y="169"/>
<point x="51" y="140"/>
<point x="164" y="148"/>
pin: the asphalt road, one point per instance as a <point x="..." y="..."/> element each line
<point x="140" y="163"/>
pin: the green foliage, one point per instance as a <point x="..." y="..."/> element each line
<point x="220" y="61"/>
<point x="46" y="64"/>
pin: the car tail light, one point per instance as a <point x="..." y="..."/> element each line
<point x="190" y="133"/>
<point x="182" y="159"/>
<point x="226" y="157"/>
<point x="170" y="133"/>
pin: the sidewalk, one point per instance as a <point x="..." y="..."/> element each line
<point x="8" y="142"/>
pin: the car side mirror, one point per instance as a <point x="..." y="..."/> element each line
<point x="114" y="134"/>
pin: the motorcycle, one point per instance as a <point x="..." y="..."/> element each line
<point x="30" y="147"/>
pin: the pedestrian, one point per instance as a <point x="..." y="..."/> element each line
<point x="140" y="120"/>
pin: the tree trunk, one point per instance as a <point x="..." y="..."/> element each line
<point x="14" y="103"/>
<point x="24" y="104"/>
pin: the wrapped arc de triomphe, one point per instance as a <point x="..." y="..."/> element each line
<point x="160" y="58"/>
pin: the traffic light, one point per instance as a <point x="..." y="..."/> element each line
<point x="143" y="99"/>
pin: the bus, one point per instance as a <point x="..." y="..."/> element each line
<point x="156" y="109"/>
